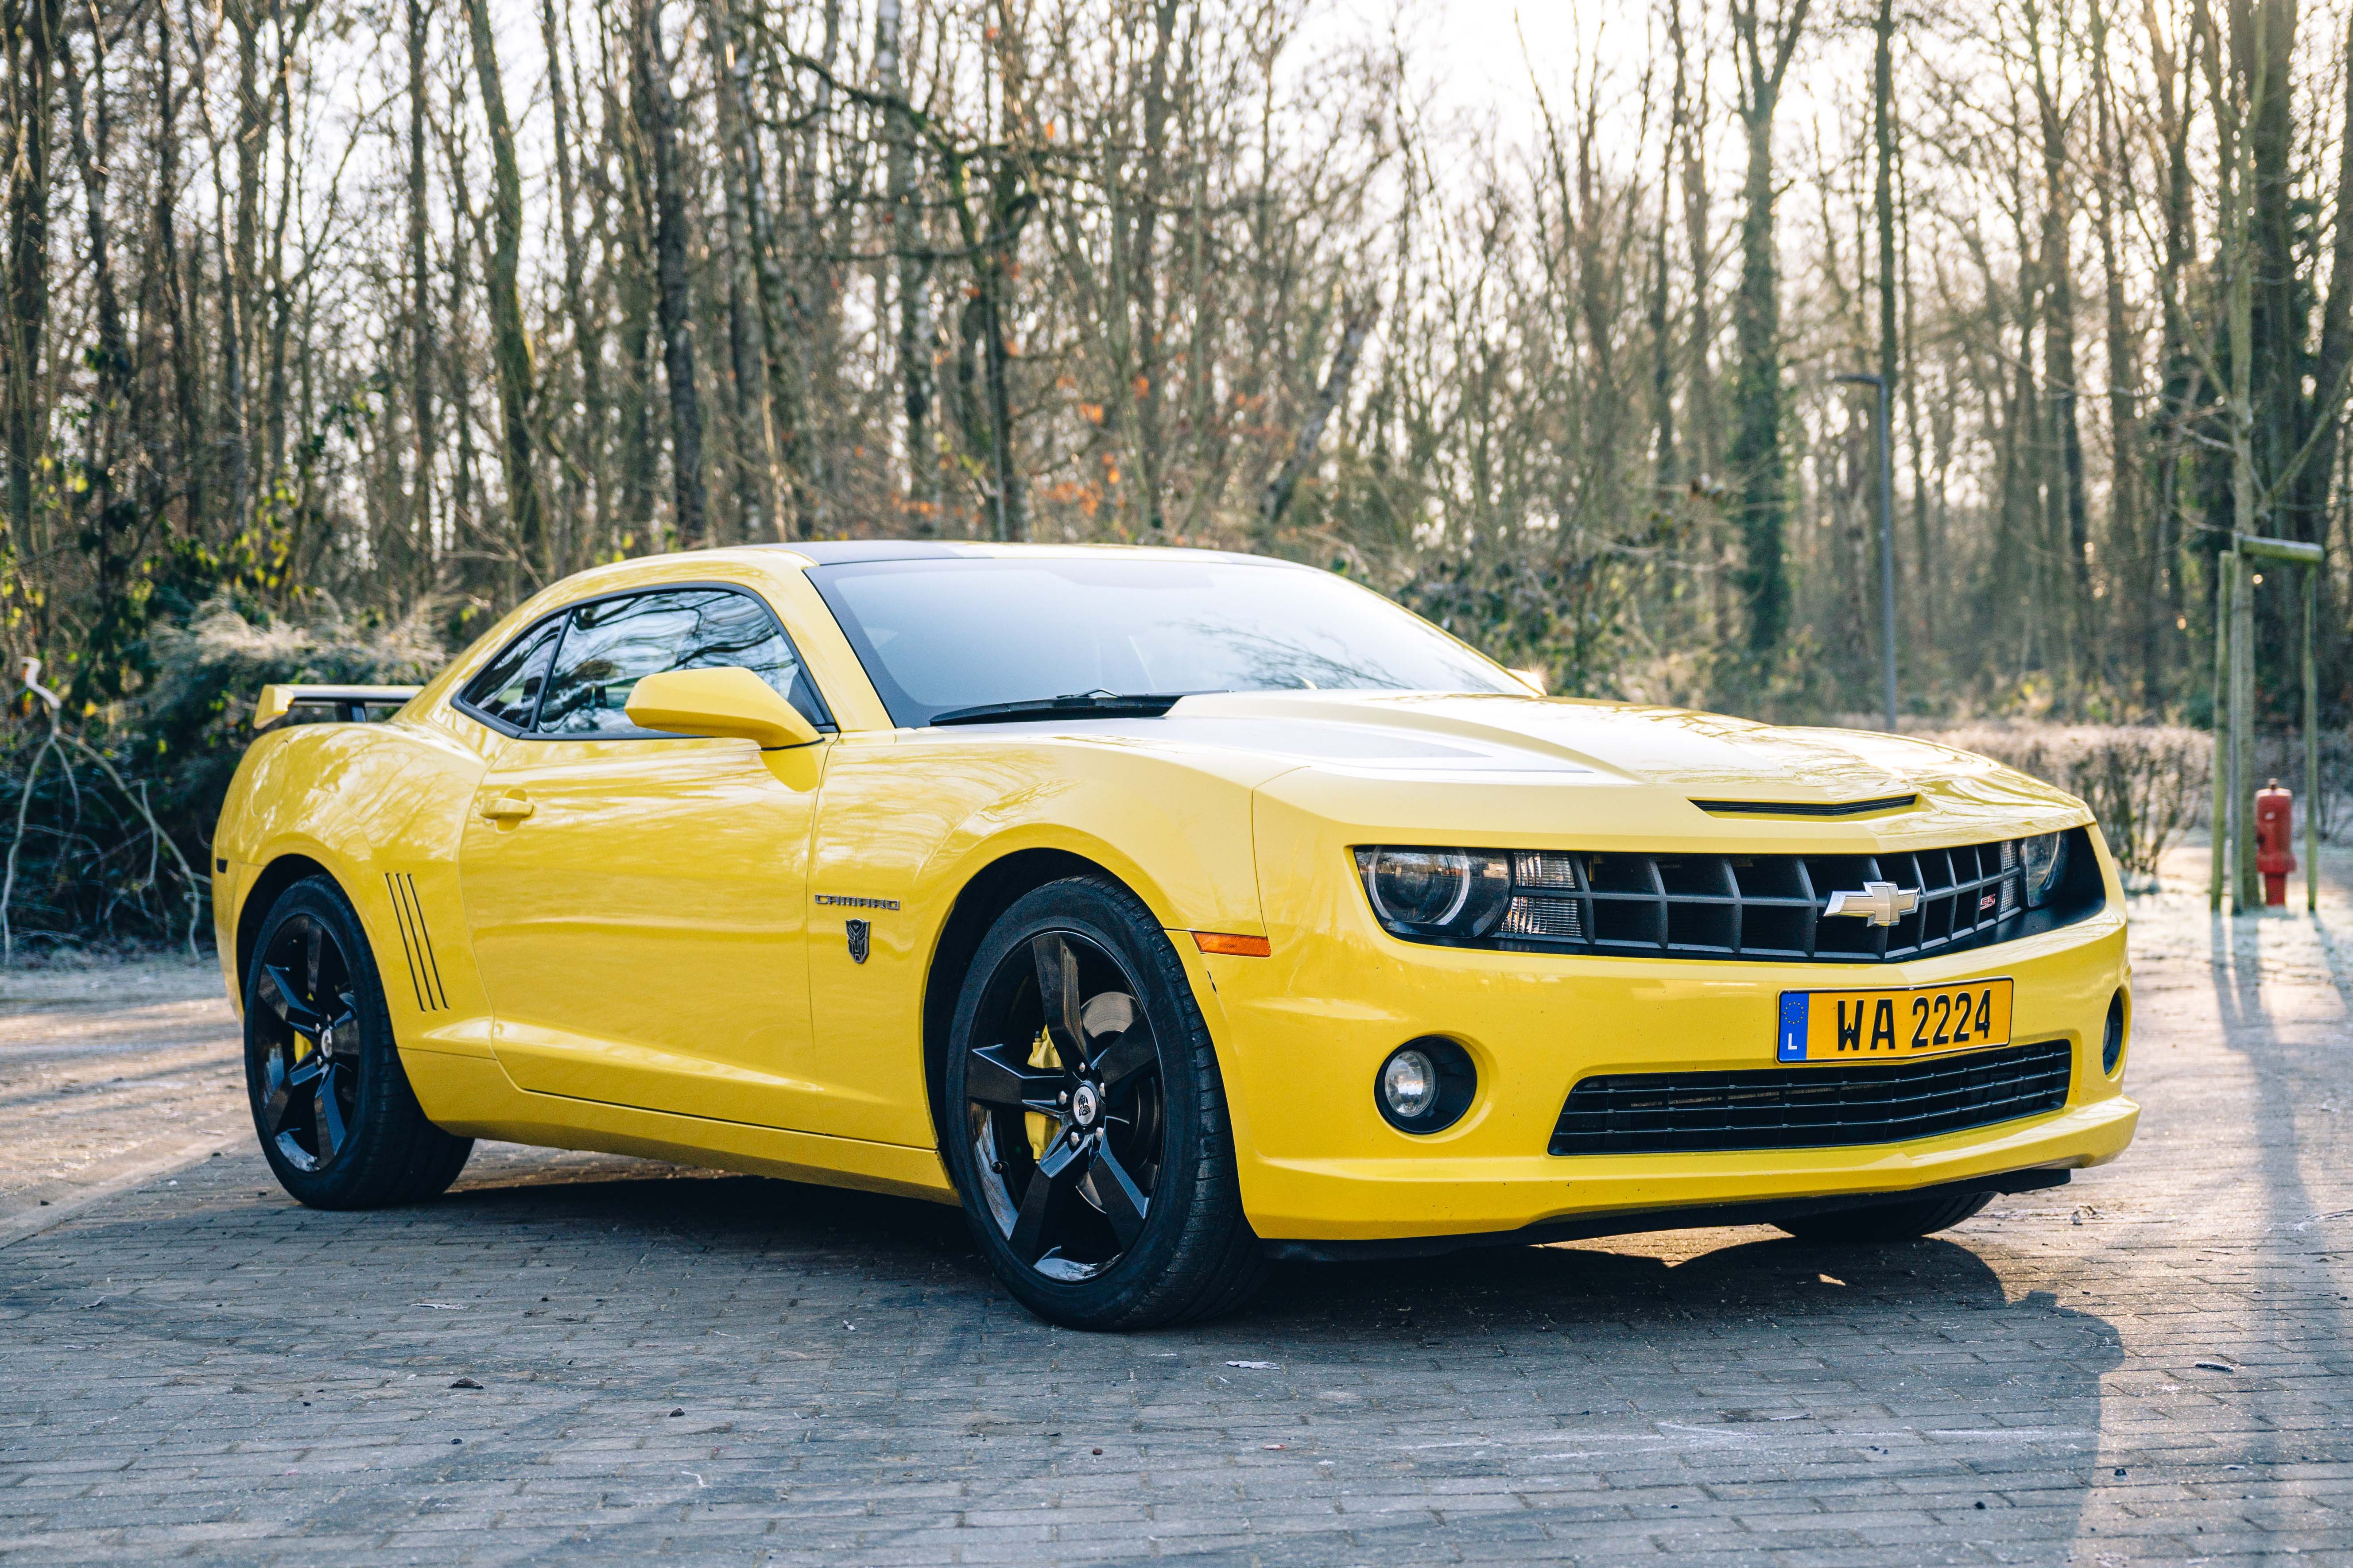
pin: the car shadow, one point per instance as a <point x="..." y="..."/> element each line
<point x="1825" y="1398"/>
<point x="1868" y="1382"/>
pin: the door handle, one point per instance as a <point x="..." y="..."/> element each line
<point x="513" y="806"/>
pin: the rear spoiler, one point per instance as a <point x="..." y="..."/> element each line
<point x="350" y="704"/>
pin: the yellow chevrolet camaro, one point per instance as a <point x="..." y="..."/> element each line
<point x="1169" y="911"/>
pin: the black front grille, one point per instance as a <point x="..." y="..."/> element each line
<point x="1812" y="1108"/>
<point x="1776" y="907"/>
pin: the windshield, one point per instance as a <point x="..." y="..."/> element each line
<point x="936" y="635"/>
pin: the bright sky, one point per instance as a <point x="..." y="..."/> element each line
<point x="1470" y="52"/>
<point x="1475" y="59"/>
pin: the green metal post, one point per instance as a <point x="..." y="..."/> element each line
<point x="2311" y="745"/>
<point x="2226" y="565"/>
<point x="2246" y="895"/>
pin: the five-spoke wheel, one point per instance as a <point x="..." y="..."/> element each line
<point x="308" y="1038"/>
<point x="1064" y="1106"/>
<point x="1086" y="1128"/>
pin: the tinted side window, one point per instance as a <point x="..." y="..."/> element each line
<point x="507" y="689"/>
<point x="611" y="645"/>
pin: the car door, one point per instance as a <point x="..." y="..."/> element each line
<point x="636" y="900"/>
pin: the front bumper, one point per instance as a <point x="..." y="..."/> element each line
<point x="1628" y="1221"/>
<point x="1302" y="1034"/>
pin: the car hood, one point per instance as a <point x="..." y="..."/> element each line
<point x="1507" y="759"/>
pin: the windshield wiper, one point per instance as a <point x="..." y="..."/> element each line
<point x="1078" y="705"/>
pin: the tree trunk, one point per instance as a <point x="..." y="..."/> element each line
<point x="2162" y="582"/>
<point x="1758" y="461"/>
<point x="750" y="332"/>
<point x="2070" y="524"/>
<point x="239" y="306"/>
<point x="1358" y="325"/>
<point x="2127" y="539"/>
<point x="509" y="343"/>
<point x="590" y="507"/>
<point x="1882" y="118"/>
<point x="911" y="269"/>
<point x="422" y="354"/>
<point x="30" y="52"/>
<point x="2332" y="367"/>
<point x="170" y="287"/>
<point x="629" y="262"/>
<point x="112" y="529"/>
<point x="1663" y="360"/>
<point x="1143" y="265"/>
<point x="658" y="123"/>
<point x="1701" y="439"/>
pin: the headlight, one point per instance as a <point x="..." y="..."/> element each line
<point x="1441" y="893"/>
<point x="2041" y="858"/>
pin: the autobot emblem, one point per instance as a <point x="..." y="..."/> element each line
<point x="860" y="932"/>
<point x="1881" y="903"/>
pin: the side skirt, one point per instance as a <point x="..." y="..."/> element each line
<point x="474" y="1098"/>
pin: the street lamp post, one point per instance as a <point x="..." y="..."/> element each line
<point x="1886" y="543"/>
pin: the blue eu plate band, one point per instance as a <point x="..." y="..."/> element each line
<point x="1793" y="1025"/>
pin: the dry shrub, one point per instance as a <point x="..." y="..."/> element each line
<point x="209" y="672"/>
<point x="2148" y="783"/>
<point x="90" y="806"/>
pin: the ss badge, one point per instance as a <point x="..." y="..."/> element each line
<point x="860" y="932"/>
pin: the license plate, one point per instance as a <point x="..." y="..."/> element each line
<point x="1834" y="1025"/>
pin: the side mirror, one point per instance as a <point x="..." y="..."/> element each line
<point x="727" y="700"/>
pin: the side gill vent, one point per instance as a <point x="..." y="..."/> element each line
<point x="416" y="943"/>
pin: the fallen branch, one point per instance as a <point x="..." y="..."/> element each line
<point x="24" y="808"/>
<point x="193" y="890"/>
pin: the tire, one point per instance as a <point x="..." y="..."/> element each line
<point x="356" y="1139"/>
<point x="1052" y="1187"/>
<point x="1904" y="1221"/>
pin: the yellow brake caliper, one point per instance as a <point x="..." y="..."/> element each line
<point x="1040" y="1127"/>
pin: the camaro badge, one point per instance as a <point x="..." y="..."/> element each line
<point x="1881" y="903"/>
<point x="846" y="900"/>
<point x="860" y="937"/>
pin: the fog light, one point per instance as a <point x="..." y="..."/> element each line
<point x="1409" y="1085"/>
<point x="1425" y="1085"/>
<point x="2111" y="1038"/>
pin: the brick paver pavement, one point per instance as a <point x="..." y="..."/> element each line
<point x="2150" y="1365"/>
<point x="108" y="1075"/>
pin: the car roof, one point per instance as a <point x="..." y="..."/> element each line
<point x="849" y="551"/>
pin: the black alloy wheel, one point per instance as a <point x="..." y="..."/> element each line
<point x="1087" y="1133"/>
<point x="1065" y="1107"/>
<point x="337" y="1118"/>
<point x="306" y="1007"/>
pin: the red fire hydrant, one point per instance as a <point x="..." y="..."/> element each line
<point x="2275" y="827"/>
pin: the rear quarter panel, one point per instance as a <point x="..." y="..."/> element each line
<point x="378" y="806"/>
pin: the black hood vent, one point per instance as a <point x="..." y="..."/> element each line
<point x="1807" y="808"/>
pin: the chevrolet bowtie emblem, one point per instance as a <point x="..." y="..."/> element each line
<point x="1881" y="903"/>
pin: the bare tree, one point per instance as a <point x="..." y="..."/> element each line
<point x="1764" y="51"/>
